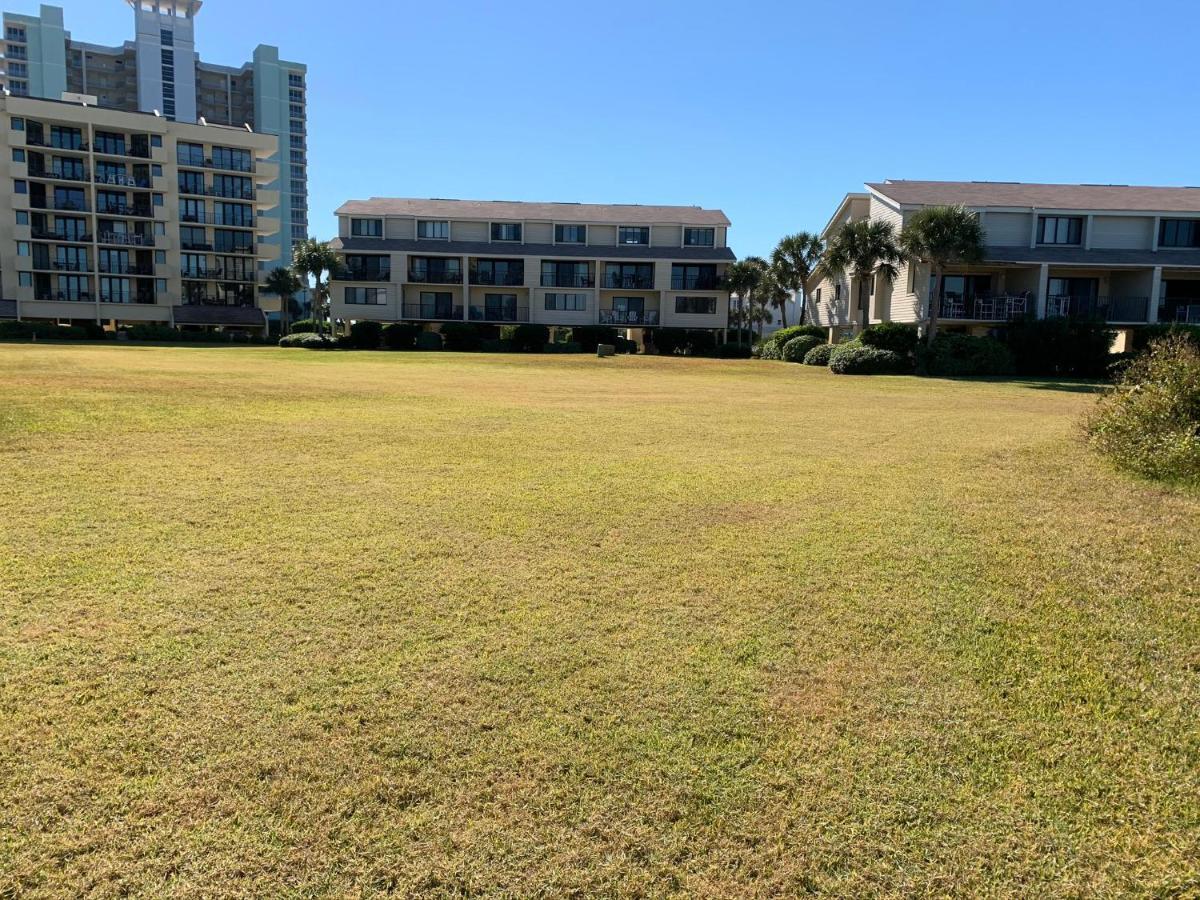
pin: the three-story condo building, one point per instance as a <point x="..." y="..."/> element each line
<point x="558" y="264"/>
<point x="123" y="217"/>
<point x="1123" y="255"/>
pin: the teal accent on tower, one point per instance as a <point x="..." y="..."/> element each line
<point x="46" y="44"/>
<point x="272" y="92"/>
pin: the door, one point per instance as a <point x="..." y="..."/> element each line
<point x="629" y="310"/>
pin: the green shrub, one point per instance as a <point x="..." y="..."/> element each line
<point x="400" y="335"/>
<point x="899" y="337"/>
<point x="819" y="355"/>
<point x="460" y="337"/>
<point x="526" y="338"/>
<point x="46" y="331"/>
<point x="366" y="335"/>
<point x="1149" y="423"/>
<point x="732" y="351"/>
<point x="797" y="348"/>
<point x="588" y="336"/>
<point x="307" y="340"/>
<point x="1144" y="334"/>
<point x="429" y="340"/>
<point x="149" y="332"/>
<point x="685" y="342"/>
<point x="1060" y="347"/>
<point x="964" y="354"/>
<point x="302" y="326"/>
<point x="853" y="358"/>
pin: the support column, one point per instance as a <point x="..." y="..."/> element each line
<point x="1155" y="290"/>
<point x="1043" y="285"/>
<point x="466" y="287"/>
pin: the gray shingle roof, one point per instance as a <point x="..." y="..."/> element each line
<point x="1042" y="196"/>
<point x="512" y="210"/>
<point x="1076" y="256"/>
<point x="572" y="251"/>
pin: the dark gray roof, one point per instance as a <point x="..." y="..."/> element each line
<point x="8" y="309"/>
<point x="572" y="251"/>
<point x="248" y="316"/>
<point x="1042" y="196"/>
<point x="520" y="210"/>
<point x="1076" y="256"/>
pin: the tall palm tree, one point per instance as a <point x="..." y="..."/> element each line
<point x="870" y="247"/>
<point x="311" y="257"/>
<point x="742" y="278"/>
<point x="942" y="236"/>
<point x="284" y="284"/>
<point x="793" y="261"/>
<point x="772" y="293"/>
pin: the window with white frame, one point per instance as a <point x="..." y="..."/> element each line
<point x="633" y="234"/>
<point x="696" y="306"/>
<point x="366" y="296"/>
<point x="366" y="227"/>
<point x="433" y="229"/>
<point x="699" y="237"/>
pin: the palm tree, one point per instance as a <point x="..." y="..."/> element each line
<point x="742" y="278"/>
<point x="315" y="258"/>
<point x="285" y="284"/>
<point x="870" y="247"/>
<point x="772" y="292"/>
<point x="942" y="236"/>
<point x="793" y="262"/>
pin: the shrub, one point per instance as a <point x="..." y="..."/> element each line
<point x="526" y="338"/>
<point x="1149" y="423"/>
<point x="307" y="340"/>
<point x="429" y="340"/>
<point x="1060" y="347"/>
<point x="147" y="332"/>
<point x="819" y="355"/>
<point x="458" y="336"/>
<point x="46" y="331"/>
<point x="685" y="342"/>
<point x="798" y="347"/>
<point x="732" y="351"/>
<point x="589" y="336"/>
<point x="1143" y="335"/>
<point x="400" y="335"/>
<point x="899" y="337"/>
<point x="963" y="354"/>
<point x="301" y="326"/>
<point x="366" y="335"/>
<point x="495" y="345"/>
<point x="853" y="358"/>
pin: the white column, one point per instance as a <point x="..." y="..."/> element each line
<point x="1155" y="290"/>
<point x="1043" y="285"/>
<point x="466" y="281"/>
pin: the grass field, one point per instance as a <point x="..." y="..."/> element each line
<point x="280" y="623"/>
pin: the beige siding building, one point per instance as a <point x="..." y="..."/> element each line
<point x="119" y="217"/>
<point x="1113" y="253"/>
<point x="557" y="264"/>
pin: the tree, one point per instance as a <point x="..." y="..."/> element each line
<point x="285" y="284"/>
<point x="942" y="236"/>
<point x="870" y="247"/>
<point x="793" y="262"/>
<point x="314" y="258"/>
<point x="772" y="292"/>
<point x="742" y="278"/>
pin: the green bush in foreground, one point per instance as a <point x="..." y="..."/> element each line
<point x="400" y="335"/>
<point x="48" y="331"/>
<point x="458" y="336"/>
<point x="302" y="326"/>
<point x="855" y="359"/>
<point x="1149" y="423"/>
<point x="797" y="348"/>
<point x="899" y="337"/>
<point x="964" y="354"/>
<point x="733" y="351"/>
<point x="526" y="337"/>
<point x="818" y="356"/>
<point x="306" y="340"/>
<point x="429" y="340"/>
<point x="365" y="335"/>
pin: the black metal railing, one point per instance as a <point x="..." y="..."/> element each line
<point x="614" y="280"/>
<point x="126" y="298"/>
<point x="64" y="295"/>
<point x="1098" y="309"/>
<point x="58" y="174"/>
<point x="198" y="162"/>
<point x="628" y="317"/>
<point x="439" y="311"/>
<point x="126" y="238"/>
<point x="128" y="210"/>
<point x="60" y="205"/>
<point x="355" y="274"/>
<point x="1183" y="310"/>
<point x="510" y="278"/>
<point x="123" y="181"/>
<point x="69" y="146"/>
<point x="564" y="281"/>
<point x="988" y="307"/>
<point x="41" y="234"/>
<point x="435" y="276"/>
<point x="246" y="299"/>
<point x="236" y="249"/>
<point x="62" y="265"/>
<point x="499" y="313"/>
<point x="695" y="282"/>
<point x="125" y="269"/>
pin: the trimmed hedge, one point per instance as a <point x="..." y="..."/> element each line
<point x="853" y="358"/>
<point x="733" y="351"/>
<point x="818" y="356"/>
<point x="307" y="340"/>
<point x="301" y="326"/>
<point x="458" y="336"/>
<point x="684" y="342"/>
<point x="964" y="354"/>
<point x="589" y="336"/>
<point x="797" y="348"/>
<point x="429" y="340"/>
<point x="899" y="337"/>
<point x="562" y="347"/>
<point x="47" y="331"/>
<point x="400" y="335"/>
<point x="1060" y="347"/>
<point x="1144" y="334"/>
<point x="365" y="335"/>
<point x="526" y="338"/>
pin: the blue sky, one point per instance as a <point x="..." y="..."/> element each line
<point x="769" y="110"/>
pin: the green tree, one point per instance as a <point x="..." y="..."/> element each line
<point x="869" y="247"/>
<point x="315" y="258"/>
<point x="742" y="278"/>
<point x="771" y="293"/>
<point x="793" y="261"/>
<point x="284" y="284"/>
<point x="942" y="236"/>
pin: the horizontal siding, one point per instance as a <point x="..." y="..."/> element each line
<point x="461" y="230"/>
<point x="665" y="236"/>
<point x="1122" y="233"/>
<point x="602" y="235"/>
<point x="539" y="233"/>
<point x="1006" y="229"/>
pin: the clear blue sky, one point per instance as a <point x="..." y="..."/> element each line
<point x="769" y="110"/>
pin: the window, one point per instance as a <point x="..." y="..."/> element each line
<point x="696" y="306"/>
<point x="296" y="111"/>
<point x="156" y="140"/>
<point x="500" y="307"/>
<point x="21" y="187"/>
<point x="639" y="276"/>
<point x="156" y="170"/>
<point x="369" y="268"/>
<point x="366" y="227"/>
<point x="566" y="274"/>
<point x="506" y="231"/>
<point x="912" y="278"/>
<point x="699" y="237"/>
<point x="296" y="127"/>
<point x="191" y="238"/>
<point x="160" y="257"/>
<point x="19" y="88"/>
<point x="25" y="279"/>
<point x="295" y="79"/>
<point x="630" y="234"/>
<point x="498" y="271"/>
<point x="366" y="296"/>
<point x="168" y="57"/>
<point x="18" y="69"/>
<point x="570" y="234"/>
<point x="1060" y="229"/>
<point x="22" y="248"/>
<point x="22" y="217"/>
<point x="433" y="229"/>
<point x="438" y="305"/>
<point x="700" y="277"/>
<point x="18" y="124"/>
<point x="298" y="156"/>
<point x="18" y="154"/>
<point x="166" y="37"/>
<point x="566" y="302"/>
<point x="817" y="295"/>
<point x="295" y="96"/>
<point x="297" y="171"/>
<point x="160" y="285"/>
<point x="837" y="291"/>
<point x="1179" y="233"/>
<point x="299" y="232"/>
<point x="14" y="33"/>
<point x="158" y="200"/>
<point x="232" y="158"/>
<point x="297" y="142"/>
<point x="114" y="290"/>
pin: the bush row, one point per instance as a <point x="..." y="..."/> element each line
<point x="90" y="331"/>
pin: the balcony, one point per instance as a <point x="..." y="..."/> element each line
<point x="60" y="205"/>
<point x="235" y="249"/>
<point x="435" y="276"/>
<point x="198" y="162"/>
<point x="58" y="174"/>
<point x="41" y="234"/>
<point x="119" y="180"/>
<point x="617" y="281"/>
<point x="126" y="239"/>
<point x="59" y="144"/>
<point x="125" y="269"/>
<point x="433" y="312"/>
<point x="988" y="307"/>
<point x="126" y="210"/>
<point x="108" y="148"/>
<point x="1099" y="309"/>
<point x="355" y="274"/>
<point x="77" y="296"/>
<point x="499" y="313"/>
<point x="628" y="317"/>
<point x="509" y="278"/>
<point x="567" y="281"/>
<point x="141" y="297"/>
<point x="695" y="282"/>
<point x="1184" y="311"/>
<point x="62" y="265"/>
<point x="242" y="298"/>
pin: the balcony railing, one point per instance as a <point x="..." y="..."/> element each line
<point x="226" y="193"/>
<point x="197" y="162"/>
<point x="123" y="181"/>
<point x="1183" y="311"/>
<point x="238" y="249"/>
<point x="695" y="282"/>
<point x="503" y="279"/>
<point x="246" y="299"/>
<point x="499" y="314"/>
<point x="126" y="210"/>
<point x="203" y="273"/>
<point x="62" y="265"/>
<point x="58" y="174"/>
<point x="628" y="317"/>
<point x="1099" y="309"/>
<point x="126" y="298"/>
<point x="988" y="307"/>
<point x="613" y="280"/>
<point x="127" y="238"/>
<point x="365" y="275"/>
<point x="108" y="149"/>
<point x="567" y="281"/>
<point x="69" y="146"/>
<point x="60" y="205"/>
<point x="435" y="276"/>
<point x="64" y="295"/>
<point x="111" y="268"/>
<point x="41" y="234"/>
<point x="432" y="311"/>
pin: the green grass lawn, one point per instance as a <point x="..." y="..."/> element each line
<point x="283" y="623"/>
